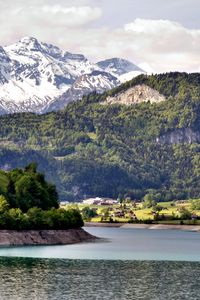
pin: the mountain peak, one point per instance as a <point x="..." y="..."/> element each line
<point x="121" y="68"/>
<point x="25" y="44"/>
<point x="38" y="74"/>
<point x="28" y="39"/>
<point x="118" y="66"/>
<point x="30" y="42"/>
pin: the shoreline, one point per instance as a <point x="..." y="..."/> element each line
<point x="44" y="237"/>
<point x="195" y="228"/>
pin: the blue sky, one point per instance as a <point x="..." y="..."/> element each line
<point x="158" y="35"/>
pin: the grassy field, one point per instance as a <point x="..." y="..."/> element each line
<point x="169" y="212"/>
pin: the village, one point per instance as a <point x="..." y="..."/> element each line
<point x="107" y="210"/>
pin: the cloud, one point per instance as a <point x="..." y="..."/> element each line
<point x="168" y="45"/>
<point x="144" y="26"/>
<point x="157" y="44"/>
<point x="161" y="45"/>
<point x="43" y="18"/>
<point x="71" y="16"/>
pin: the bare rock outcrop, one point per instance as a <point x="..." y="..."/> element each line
<point x="135" y="95"/>
<point x="179" y="136"/>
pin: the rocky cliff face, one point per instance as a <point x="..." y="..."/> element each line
<point x="180" y="136"/>
<point x="136" y="94"/>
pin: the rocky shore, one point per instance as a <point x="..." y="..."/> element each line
<point x="146" y="226"/>
<point x="44" y="237"/>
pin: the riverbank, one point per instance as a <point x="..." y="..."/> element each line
<point x="44" y="237"/>
<point x="146" y="226"/>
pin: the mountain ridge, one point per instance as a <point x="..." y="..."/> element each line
<point x="34" y="75"/>
<point x="90" y="149"/>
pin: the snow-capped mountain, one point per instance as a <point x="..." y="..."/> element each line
<point x="121" y="68"/>
<point x="39" y="77"/>
<point x="98" y="81"/>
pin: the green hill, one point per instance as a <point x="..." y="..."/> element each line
<point x="91" y="148"/>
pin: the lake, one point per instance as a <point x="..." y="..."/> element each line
<point x="127" y="264"/>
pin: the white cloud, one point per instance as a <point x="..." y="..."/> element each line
<point x="71" y="16"/>
<point x="160" y="45"/>
<point x="167" y="45"/>
<point x="144" y="26"/>
<point x="42" y="19"/>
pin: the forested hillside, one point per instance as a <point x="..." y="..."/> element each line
<point x="93" y="149"/>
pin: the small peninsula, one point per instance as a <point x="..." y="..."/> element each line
<point x="30" y="213"/>
<point x="44" y="237"/>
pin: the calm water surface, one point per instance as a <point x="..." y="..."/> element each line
<point x="123" y="244"/>
<point x="129" y="264"/>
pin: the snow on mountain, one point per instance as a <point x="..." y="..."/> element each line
<point x="130" y="75"/>
<point x="98" y="81"/>
<point x="40" y="77"/>
<point x="121" y="68"/>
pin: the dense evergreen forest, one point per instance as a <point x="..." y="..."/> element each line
<point x="28" y="201"/>
<point x="90" y="149"/>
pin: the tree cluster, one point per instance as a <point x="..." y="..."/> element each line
<point x="27" y="201"/>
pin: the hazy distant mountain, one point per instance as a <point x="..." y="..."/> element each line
<point x="40" y="77"/>
<point x="121" y="68"/>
